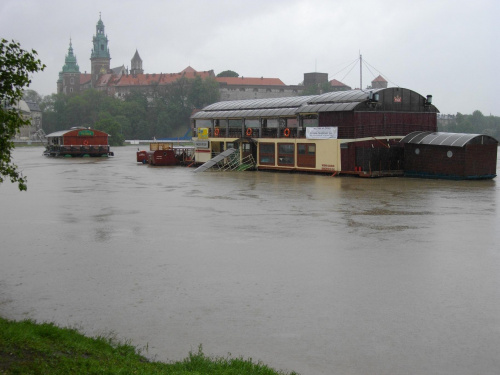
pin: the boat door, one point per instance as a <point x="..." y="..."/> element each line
<point x="245" y="150"/>
<point x="248" y="149"/>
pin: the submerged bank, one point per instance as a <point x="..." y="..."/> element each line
<point x="27" y="347"/>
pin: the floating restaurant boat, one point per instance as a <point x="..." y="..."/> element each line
<point x="78" y="142"/>
<point x="355" y="132"/>
<point x="166" y="154"/>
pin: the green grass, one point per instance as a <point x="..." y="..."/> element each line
<point x="28" y="347"/>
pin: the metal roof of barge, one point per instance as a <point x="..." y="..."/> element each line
<point x="61" y="133"/>
<point x="447" y="139"/>
<point x="326" y="107"/>
<point x="289" y="102"/>
<point x="58" y="134"/>
<point x="290" y="106"/>
<point x="349" y="96"/>
<point x="269" y="112"/>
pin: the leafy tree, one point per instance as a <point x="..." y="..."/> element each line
<point x="110" y="125"/>
<point x="476" y="123"/>
<point x="228" y="73"/>
<point x="15" y="66"/>
<point x="54" y="112"/>
<point x="135" y="109"/>
<point x="32" y="96"/>
<point x="203" y="92"/>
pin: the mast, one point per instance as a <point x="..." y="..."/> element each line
<point x="360" y="71"/>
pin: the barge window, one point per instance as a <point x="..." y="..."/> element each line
<point x="235" y="123"/>
<point x="286" y="154"/>
<point x="306" y="155"/>
<point x="272" y="122"/>
<point x="266" y="153"/>
<point x="292" y="122"/>
<point x="253" y="123"/>
<point x="310" y="121"/>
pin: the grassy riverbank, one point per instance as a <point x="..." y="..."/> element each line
<point x="30" y="348"/>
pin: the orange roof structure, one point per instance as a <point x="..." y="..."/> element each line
<point x="336" y="83"/>
<point x="250" y="81"/>
<point x="379" y="79"/>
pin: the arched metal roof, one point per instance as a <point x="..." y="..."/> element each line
<point x="447" y="139"/>
<point x="357" y="96"/>
<point x="294" y="101"/>
<point x="245" y="113"/>
<point x="326" y="107"/>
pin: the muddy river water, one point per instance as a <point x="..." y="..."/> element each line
<point x="316" y="274"/>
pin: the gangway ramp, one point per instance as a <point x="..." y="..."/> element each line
<point x="215" y="160"/>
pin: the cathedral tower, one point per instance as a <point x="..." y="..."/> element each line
<point x="136" y="64"/>
<point x="69" y="77"/>
<point x="100" y="58"/>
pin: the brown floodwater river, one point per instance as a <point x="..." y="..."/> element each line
<point x="316" y="274"/>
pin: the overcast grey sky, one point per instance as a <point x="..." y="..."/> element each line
<point x="447" y="48"/>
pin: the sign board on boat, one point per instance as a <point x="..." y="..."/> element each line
<point x="201" y="144"/>
<point x="85" y="133"/>
<point x="324" y="132"/>
<point x="203" y="133"/>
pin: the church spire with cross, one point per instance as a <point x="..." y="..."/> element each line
<point x="100" y="58"/>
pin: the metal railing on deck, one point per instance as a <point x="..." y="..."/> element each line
<point x="257" y="133"/>
<point x="78" y="148"/>
<point x="233" y="163"/>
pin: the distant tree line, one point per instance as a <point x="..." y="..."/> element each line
<point x="163" y="111"/>
<point x="477" y="123"/>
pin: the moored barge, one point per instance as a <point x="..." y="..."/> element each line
<point x="78" y="142"/>
<point x="166" y="154"/>
<point x="354" y="132"/>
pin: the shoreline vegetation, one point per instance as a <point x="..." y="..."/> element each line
<point x="28" y="347"/>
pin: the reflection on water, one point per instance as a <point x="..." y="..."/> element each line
<point x="309" y="273"/>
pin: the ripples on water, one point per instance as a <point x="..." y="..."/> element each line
<point x="309" y="273"/>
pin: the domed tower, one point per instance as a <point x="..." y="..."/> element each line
<point x="100" y="58"/>
<point x="69" y="77"/>
<point x="136" y="64"/>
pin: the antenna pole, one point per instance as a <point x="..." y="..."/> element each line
<point x="360" y="71"/>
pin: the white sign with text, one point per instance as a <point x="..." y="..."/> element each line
<point x="326" y="132"/>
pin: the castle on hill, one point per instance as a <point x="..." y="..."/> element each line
<point x="121" y="81"/>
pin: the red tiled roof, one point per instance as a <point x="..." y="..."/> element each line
<point x="250" y="81"/>
<point x="84" y="78"/>
<point x="334" y="82"/>
<point x="379" y="79"/>
<point x="160" y="79"/>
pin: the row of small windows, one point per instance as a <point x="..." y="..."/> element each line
<point x="285" y="155"/>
